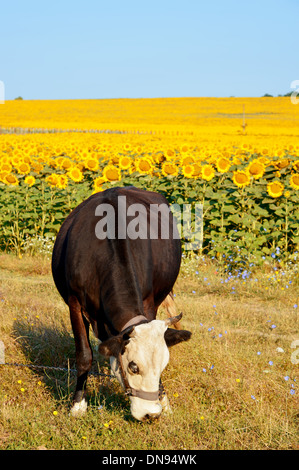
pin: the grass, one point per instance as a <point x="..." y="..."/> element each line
<point x="229" y="386"/>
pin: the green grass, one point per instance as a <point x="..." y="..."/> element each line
<point x="224" y="395"/>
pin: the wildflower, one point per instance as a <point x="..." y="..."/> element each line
<point x="55" y="413"/>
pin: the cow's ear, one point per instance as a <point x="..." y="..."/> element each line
<point x="111" y="347"/>
<point x="173" y="337"/>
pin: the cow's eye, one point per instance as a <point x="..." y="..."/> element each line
<point x="133" y="367"/>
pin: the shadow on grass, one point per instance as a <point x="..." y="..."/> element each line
<point x="50" y="347"/>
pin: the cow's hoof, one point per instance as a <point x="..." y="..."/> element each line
<point x="79" y="409"/>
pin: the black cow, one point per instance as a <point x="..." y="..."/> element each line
<point x="113" y="269"/>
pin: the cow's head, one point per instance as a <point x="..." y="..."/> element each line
<point x="138" y="357"/>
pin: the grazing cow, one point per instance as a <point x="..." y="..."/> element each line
<point x="114" y="280"/>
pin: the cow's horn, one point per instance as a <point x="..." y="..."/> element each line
<point x="173" y="320"/>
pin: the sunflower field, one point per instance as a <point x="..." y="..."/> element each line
<point x="243" y="167"/>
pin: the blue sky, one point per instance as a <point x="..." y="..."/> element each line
<point x="144" y="49"/>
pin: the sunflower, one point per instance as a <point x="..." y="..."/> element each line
<point x="256" y="169"/>
<point x="138" y="149"/>
<point x="97" y="183"/>
<point x="159" y="158"/>
<point x="294" y="180"/>
<point x="186" y="160"/>
<point x="188" y="171"/>
<point x="52" y="179"/>
<point x="92" y="164"/>
<point x="127" y="147"/>
<point x="197" y="170"/>
<point x="111" y="173"/>
<point x="124" y="162"/>
<point x="30" y="180"/>
<point x="10" y="179"/>
<point x="184" y="148"/>
<point x="296" y="165"/>
<point x="223" y="164"/>
<point x="37" y="167"/>
<point x="241" y="178"/>
<point x="6" y="166"/>
<point x="169" y="153"/>
<point x="75" y="174"/>
<point x="282" y="164"/>
<point x="207" y="172"/>
<point x="66" y="164"/>
<point x="169" y="169"/>
<point x="23" y="168"/>
<point x="236" y="160"/>
<point x="3" y="174"/>
<point x="144" y="165"/>
<point x="275" y="189"/>
<point x="59" y="161"/>
<point x="264" y="161"/>
<point x="62" y="181"/>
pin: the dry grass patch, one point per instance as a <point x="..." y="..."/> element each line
<point x="229" y="386"/>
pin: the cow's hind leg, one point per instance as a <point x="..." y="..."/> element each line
<point x="169" y="305"/>
<point x="83" y="355"/>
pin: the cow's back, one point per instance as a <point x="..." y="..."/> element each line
<point x="110" y="276"/>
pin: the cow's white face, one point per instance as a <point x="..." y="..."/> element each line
<point x="145" y="357"/>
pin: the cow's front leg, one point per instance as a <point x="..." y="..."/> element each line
<point x="83" y="355"/>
